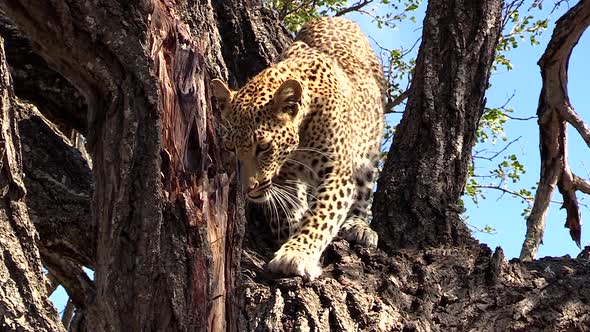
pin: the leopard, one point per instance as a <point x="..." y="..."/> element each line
<point x="307" y="132"/>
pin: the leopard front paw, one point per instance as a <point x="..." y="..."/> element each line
<point x="295" y="263"/>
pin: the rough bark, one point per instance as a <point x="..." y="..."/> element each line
<point x="23" y="297"/>
<point x="59" y="188"/>
<point x="555" y="112"/>
<point x="439" y="289"/>
<point x="142" y="75"/>
<point x="36" y="82"/>
<point x="417" y="199"/>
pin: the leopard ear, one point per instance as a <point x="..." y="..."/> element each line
<point x="222" y="94"/>
<point x="286" y="99"/>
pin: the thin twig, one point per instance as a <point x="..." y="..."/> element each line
<point x="353" y="8"/>
<point x="527" y="199"/>
<point x="496" y="154"/>
<point x="519" y="118"/>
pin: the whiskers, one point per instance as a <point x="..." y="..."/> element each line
<point x="285" y="205"/>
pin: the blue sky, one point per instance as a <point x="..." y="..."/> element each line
<point x="503" y="212"/>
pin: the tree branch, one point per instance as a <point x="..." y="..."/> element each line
<point x="581" y="184"/>
<point x="554" y="111"/>
<point x="571" y="116"/>
<point x="393" y="103"/>
<point x="71" y="276"/>
<point x="353" y="8"/>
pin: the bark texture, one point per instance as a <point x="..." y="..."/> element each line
<point x="555" y="112"/>
<point x="417" y="199"/>
<point x="438" y="289"/>
<point x="24" y="305"/>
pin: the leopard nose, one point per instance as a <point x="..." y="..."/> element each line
<point x="252" y="185"/>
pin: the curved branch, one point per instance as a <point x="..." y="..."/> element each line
<point x="572" y="117"/>
<point x="581" y="184"/>
<point x="554" y="112"/>
<point x="71" y="276"/>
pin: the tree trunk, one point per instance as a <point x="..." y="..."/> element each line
<point x="168" y="223"/>
<point x="417" y="199"/>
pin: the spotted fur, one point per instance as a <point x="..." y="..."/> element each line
<point x="307" y="132"/>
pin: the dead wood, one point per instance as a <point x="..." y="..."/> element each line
<point x="554" y="113"/>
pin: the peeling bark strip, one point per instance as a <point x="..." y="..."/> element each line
<point x="23" y="297"/>
<point x="416" y="203"/>
<point x="555" y="112"/>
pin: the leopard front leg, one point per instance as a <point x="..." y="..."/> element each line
<point x="300" y="255"/>
<point x="356" y="227"/>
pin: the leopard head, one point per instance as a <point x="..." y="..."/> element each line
<point x="260" y="125"/>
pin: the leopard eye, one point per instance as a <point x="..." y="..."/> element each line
<point x="262" y="147"/>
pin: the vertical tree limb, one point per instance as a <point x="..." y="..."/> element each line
<point x="417" y="198"/>
<point x="22" y="283"/>
<point x="554" y="113"/>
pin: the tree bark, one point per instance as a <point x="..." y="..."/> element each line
<point x="417" y="200"/>
<point x="24" y="305"/>
<point x="142" y="75"/>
